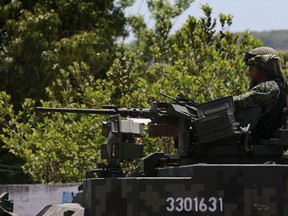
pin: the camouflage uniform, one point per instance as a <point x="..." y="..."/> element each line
<point x="270" y="95"/>
<point x="264" y="95"/>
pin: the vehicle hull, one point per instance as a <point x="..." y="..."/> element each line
<point x="202" y="189"/>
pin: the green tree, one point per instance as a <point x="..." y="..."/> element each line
<point x="37" y="38"/>
<point x="191" y="60"/>
<point x="56" y="147"/>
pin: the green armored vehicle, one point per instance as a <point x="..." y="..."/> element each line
<point x="218" y="168"/>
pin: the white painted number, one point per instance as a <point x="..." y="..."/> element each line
<point x="170" y="202"/>
<point x="179" y="206"/>
<point x="213" y="206"/>
<point x="188" y="204"/>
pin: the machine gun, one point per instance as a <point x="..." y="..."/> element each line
<point x="203" y="133"/>
<point x="193" y="126"/>
<point x="122" y="133"/>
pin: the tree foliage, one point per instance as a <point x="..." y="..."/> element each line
<point x="196" y="60"/>
<point x="39" y="38"/>
<point x="56" y="147"/>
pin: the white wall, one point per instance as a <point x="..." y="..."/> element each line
<point x="31" y="199"/>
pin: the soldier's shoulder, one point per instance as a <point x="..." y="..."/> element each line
<point x="270" y="85"/>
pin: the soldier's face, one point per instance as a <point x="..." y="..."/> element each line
<point x="255" y="74"/>
<point x="252" y="72"/>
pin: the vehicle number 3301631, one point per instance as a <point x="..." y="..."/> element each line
<point x="196" y="204"/>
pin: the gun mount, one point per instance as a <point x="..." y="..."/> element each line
<point x="214" y="156"/>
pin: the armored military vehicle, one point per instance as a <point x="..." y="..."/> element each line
<point x="219" y="169"/>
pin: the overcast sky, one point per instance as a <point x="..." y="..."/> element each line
<point x="253" y="15"/>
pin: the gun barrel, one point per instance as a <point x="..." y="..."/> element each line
<point x="125" y="112"/>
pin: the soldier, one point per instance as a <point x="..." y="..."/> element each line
<point x="268" y="90"/>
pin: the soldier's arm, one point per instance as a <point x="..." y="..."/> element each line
<point x="264" y="95"/>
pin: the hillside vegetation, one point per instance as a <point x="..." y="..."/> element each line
<point x="276" y="39"/>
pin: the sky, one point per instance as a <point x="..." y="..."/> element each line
<point x="253" y="15"/>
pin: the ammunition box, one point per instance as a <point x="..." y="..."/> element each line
<point x="217" y="126"/>
<point x="216" y="106"/>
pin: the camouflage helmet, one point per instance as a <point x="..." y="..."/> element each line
<point x="259" y="51"/>
<point x="266" y="59"/>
